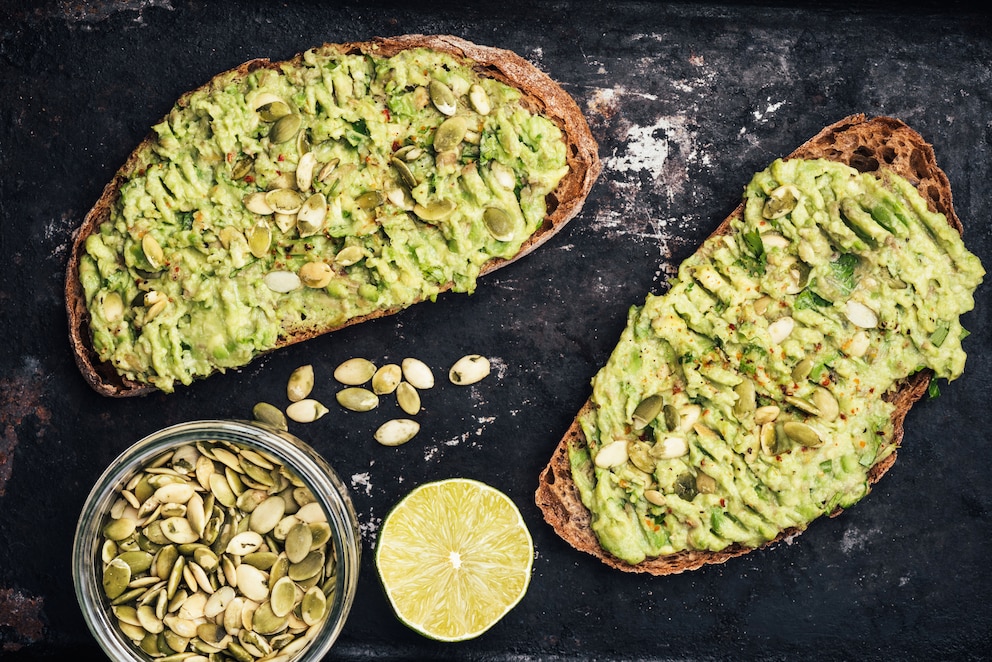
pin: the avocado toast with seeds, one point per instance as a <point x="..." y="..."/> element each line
<point x="769" y="384"/>
<point x="285" y="200"/>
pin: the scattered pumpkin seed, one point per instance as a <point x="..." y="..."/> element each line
<point x="307" y="410"/>
<point x="270" y="415"/>
<point x="417" y="373"/>
<point x="300" y="383"/>
<point x="356" y="398"/>
<point x="408" y="398"/>
<point x="397" y="431"/>
<point x="469" y="369"/>
<point x="386" y="379"/>
<point x="355" y="371"/>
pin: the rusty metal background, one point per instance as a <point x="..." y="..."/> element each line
<point x="686" y="100"/>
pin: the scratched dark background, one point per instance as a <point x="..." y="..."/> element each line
<point x="686" y="101"/>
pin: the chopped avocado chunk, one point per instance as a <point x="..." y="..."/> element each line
<point x="771" y="378"/>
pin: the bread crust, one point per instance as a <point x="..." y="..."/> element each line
<point x="541" y="94"/>
<point x="868" y="145"/>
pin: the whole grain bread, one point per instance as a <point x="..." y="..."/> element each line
<point x="868" y="145"/>
<point x="540" y="94"/>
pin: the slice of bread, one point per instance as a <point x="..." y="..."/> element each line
<point x="868" y="145"/>
<point x="540" y="94"/>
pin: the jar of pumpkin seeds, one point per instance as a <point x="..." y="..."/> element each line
<point x="217" y="540"/>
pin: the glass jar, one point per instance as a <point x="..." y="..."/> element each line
<point x="91" y="552"/>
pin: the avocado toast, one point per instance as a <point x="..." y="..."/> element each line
<point x="768" y="386"/>
<point x="284" y="200"/>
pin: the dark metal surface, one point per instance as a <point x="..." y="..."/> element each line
<point x="686" y="100"/>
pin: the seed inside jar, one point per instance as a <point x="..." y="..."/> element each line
<point x="196" y="556"/>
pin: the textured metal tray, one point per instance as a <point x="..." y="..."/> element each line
<point x="686" y="101"/>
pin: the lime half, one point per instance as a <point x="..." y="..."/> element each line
<point x="454" y="556"/>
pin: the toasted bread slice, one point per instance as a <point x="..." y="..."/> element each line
<point x="867" y="144"/>
<point x="540" y="95"/>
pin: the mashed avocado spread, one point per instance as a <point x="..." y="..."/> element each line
<point x="747" y="399"/>
<point x="293" y="199"/>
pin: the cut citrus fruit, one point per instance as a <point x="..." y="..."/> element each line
<point x="454" y="556"/>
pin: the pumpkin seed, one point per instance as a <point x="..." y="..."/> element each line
<point x="436" y="210"/>
<point x="418" y="373"/>
<point x="300" y="383"/>
<point x="745" y="403"/>
<point x="259" y="239"/>
<point x="780" y="329"/>
<point x="355" y="371"/>
<point x="397" y="431"/>
<point x="370" y="200"/>
<point x="671" y="447"/>
<point x="285" y="128"/>
<point x="307" y="410"/>
<point x="116" y="577"/>
<point x="612" y="454"/>
<point x="802" y="433"/>
<point x="386" y="379"/>
<point x="469" y="369"/>
<point x="860" y="315"/>
<point x="272" y="108"/>
<point x="406" y="175"/>
<point x="442" y="97"/>
<point x="826" y="403"/>
<point x="316" y="275"/>
<point x="646" y="411"/>
<point x="479" y="99"/>
<point x="450" y="133"/>
<point x="499" y="223"/>
<point x="242" y="167"/>
<point x="503" y="175"/>
<point x="269" y="414"/>
<point x="356" y="398"/>
<point x="780" y="202"/>
<point x="349" y="255"/>
<point x="282" y="281"/>
<point x="207" y="581"/>
<point x="305" y="171"/>
<point x="113" y="307"/>
<point x="408" y="398"/>
<point x="255" y="203"/>
<point x="153" y="251"/>
<point x="766" y="414"/>
<point x="298" y="542"/>
<point x="311" y="215"/>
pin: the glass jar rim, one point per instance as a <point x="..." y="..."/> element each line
<point x="300" y="457"/>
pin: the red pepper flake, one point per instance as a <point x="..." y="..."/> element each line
<point x="282" y="157"/>
<point x="230" y="157"/>
<point x="250" y="179"/>
<point x="385" y="111"/>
